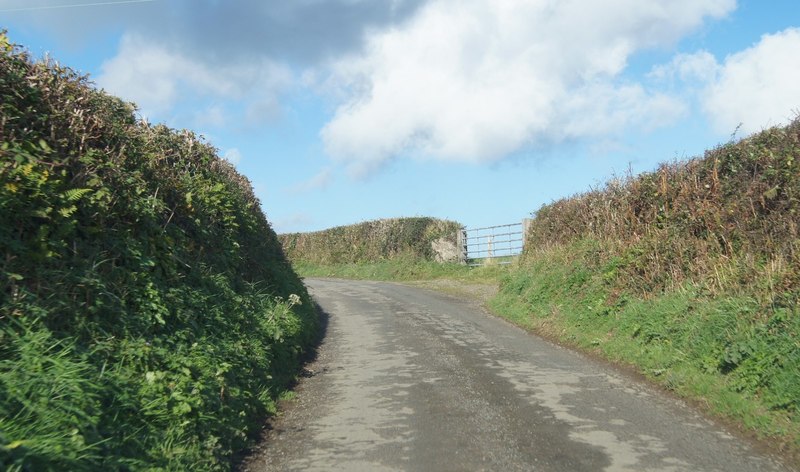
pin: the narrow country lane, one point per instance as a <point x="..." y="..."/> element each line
<point x="408" y="379"/>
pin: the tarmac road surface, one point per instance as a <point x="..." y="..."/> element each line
<point x="408" y="379"/>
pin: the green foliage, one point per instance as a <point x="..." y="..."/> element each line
<point x="148" y="316"/>
<point x="403" y="269"/>
<point x="687" y="220"/>
<point x="371" y="241"/>
<point x="691" y="273"/>
<point x="739" y="357"/>
<point x="50" y="403"/>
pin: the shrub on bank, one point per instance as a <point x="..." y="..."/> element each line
<point x="691" y="272"/>
<point x="148" y="317"/>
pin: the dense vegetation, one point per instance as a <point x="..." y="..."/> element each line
<point x="692" y="272"/>
<point x="148" y="317"/>
<point x="372" y="241"/>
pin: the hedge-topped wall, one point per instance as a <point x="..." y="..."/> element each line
<point x="148" y="316"/>
<point x="685" y="221"/>
<point x="418" y="238"/>
<point x="691" y="272"/>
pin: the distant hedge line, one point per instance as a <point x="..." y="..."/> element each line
<point x="411" y="238"/>
<point x="148" y="316"/>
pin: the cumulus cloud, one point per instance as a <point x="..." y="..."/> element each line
<point x="459" y="80"/>
<point x="233" y="155"/>
<point x="758" y="87"/>
<point x="319" y="181"/>
<point x="474" y="80"/>
<point x="212" y="63"/>
<point x="700" y="66"/>
<point x="157" y="78"/>
<point x="299" y="32"/>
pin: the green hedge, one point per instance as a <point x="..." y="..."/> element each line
<point x="691" y="273"/>
<point x="687" y="219"/>
<point x="371" y="241"/>
<point x="148" y="316"/>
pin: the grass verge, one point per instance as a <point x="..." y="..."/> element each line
<point x="404" y="269"/>
<point x="711" y="348"/>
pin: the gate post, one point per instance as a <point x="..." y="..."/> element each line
<point x="526" y="226"/>
<point x="461" y="243"/>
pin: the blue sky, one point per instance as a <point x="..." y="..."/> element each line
<point x="479" y="111"/>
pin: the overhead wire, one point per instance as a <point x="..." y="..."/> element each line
<point x="73" y="5"/>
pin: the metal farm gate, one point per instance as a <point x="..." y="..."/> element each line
<point x="497" y="244"/>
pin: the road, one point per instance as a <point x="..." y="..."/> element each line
<point x="408" y="379"/>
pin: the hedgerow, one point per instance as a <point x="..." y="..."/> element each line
<point x="690" y="272"/>
<point x="740" y="201"/>
<point x="371" y="241"/>
<point x="148" y="316"/>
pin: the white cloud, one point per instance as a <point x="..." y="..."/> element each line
<point x="700" y="66"/>
<point x="758" y="87"/>
<point x="475" y="80"/>
<point x="319" y="181"/>
<point x="214" y="116"/>
<point x="234" y="156"/>
<point x="159" y="79"/>
<point x="604" y="108"/>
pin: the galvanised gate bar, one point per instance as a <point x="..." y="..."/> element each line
<point x="496" y="244"/>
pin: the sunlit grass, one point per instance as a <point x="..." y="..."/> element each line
<point x="718" y="349"/>
<point x="405" y="270"/>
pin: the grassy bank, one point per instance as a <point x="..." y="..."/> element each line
<point x="691" y="273"/>
<point x="718" y="348"/>
<point x="148" y="316"/>
<point x="404" y="270"/>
